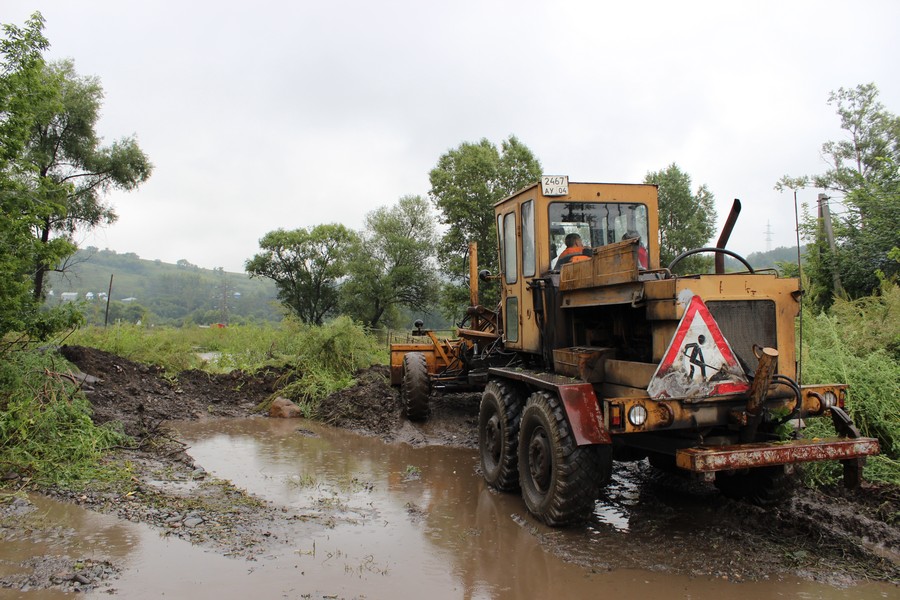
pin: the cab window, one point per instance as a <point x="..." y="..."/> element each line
<point x="528" y="262"/>
<point x="509" y="248"/>
<point x="597" y="223"/>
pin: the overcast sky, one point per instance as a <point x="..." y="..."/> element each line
<point x="260" y="115"/>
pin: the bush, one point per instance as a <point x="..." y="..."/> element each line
<point x="856" y="343"/>
<point x="46" y="432"/>
<point x="328" y="357"/>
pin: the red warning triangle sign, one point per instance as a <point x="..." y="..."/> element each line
<point x="699" y="361"/>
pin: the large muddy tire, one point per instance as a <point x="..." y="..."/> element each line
<point x="498" y="435"/>
<point x="764" y="486"/>
<point x="560" y="481"/>
<point x="415" y="387"/>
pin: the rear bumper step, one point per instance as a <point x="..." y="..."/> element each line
<point x="722" y="458"/>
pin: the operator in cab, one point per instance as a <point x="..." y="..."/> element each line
<point x="643" y="258"/>
<point x="575" y="251"/>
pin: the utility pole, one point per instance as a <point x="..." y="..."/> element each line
<point x="223" y="307"/>
<point x="768" y="236"/>
<point x="825" y="218"/>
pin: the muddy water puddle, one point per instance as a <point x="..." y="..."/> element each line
<point x="371" y="520"/>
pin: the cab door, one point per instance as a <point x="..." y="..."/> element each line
<point x="518" y="264"/>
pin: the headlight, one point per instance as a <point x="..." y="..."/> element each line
<point x="829" y="399"/>
<point x="637" y="415"/>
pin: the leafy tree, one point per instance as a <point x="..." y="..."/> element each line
<point x="69" y="171"/>
<point x="863" y="173"/>
<point x="465" y="185"/>
<point x="22" y="91"/>
<point x="687" y="219"/>
<point x="306" y="266"/>
<point x="394" y="264"/>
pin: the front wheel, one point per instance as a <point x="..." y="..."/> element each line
<point x="415" y="387"/>
<point x="498" y="435"/>
<point x="560" y="481"/>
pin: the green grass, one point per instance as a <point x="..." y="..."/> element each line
<point x="337" y="346"/>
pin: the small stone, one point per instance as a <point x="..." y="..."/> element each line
<point x="282" y="408"/>
<point x="193" y="522"/>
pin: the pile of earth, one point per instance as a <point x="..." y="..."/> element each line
<point x="142" y="396"/>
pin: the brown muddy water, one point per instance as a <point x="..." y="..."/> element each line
<point x="385" y="521"/>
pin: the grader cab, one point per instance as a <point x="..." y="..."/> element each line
<point x="617" y="358"/>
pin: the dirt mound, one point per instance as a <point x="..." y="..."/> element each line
<point x="371" y="406"/>
<point x="142" y="396"/>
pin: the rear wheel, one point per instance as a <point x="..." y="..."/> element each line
<point x="764" y="486"/>
<point x="415" y="387"/>
<point x="560" y="481"/>
<point x="498" y="435"/>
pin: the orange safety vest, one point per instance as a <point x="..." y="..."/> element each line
<point x="577" y="251"/>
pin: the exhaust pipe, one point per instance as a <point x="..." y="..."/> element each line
<point x="726" y="233"/>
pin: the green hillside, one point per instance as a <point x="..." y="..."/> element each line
<point x="765" y="260"/>
<point x="161" y="293"/>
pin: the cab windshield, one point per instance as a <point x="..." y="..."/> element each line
<point x="597" y="224"/>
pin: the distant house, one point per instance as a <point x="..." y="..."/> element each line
<point x="89" y="296"/>
<point x="69" y="296"/>
<point x="131" y="299"/>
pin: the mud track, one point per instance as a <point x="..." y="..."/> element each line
<point x="836" y="536"/>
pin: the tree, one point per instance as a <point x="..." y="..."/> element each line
<point x="394" y="264"/>
<point x="22" y="92"/>
<point x="69" y="171"/>
<point x="306" y="266"/>
<point x="686" y="220"/>
<point x="864" y="174"/>
<point x="465" y="185"/>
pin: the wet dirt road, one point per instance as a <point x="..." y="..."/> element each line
<point x="392" y="521"/>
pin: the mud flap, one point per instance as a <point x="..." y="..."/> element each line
<point x="853" y="467"/>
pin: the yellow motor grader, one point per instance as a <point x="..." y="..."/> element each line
<point x="599" y="353"/>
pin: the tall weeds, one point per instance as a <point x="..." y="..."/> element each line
<point x="46" y="432"/>
<point x="320" y="360"/>
<point x="326" y="361"/>
<point x="176" y="349"/>
<point x="858" y="343"/>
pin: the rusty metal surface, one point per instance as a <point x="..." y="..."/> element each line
<point x="722" y="458"/>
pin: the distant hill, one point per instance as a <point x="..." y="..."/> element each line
<point x="765" y="260"/>
<point x="163" y="293"/>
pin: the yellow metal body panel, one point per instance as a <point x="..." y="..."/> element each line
<point x="528" y="339"/>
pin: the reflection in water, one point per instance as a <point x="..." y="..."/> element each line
<point x="422" y="519"/>
<point x="399" y="522"/>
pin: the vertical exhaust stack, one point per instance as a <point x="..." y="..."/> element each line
<point x="726" y="233"/>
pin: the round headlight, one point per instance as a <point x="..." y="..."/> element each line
<point x="829" y="399"/>
<point x="637" y="415"/>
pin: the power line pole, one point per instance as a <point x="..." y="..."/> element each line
<point x="825" y="219"/>
<point x="768" y="236"/>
